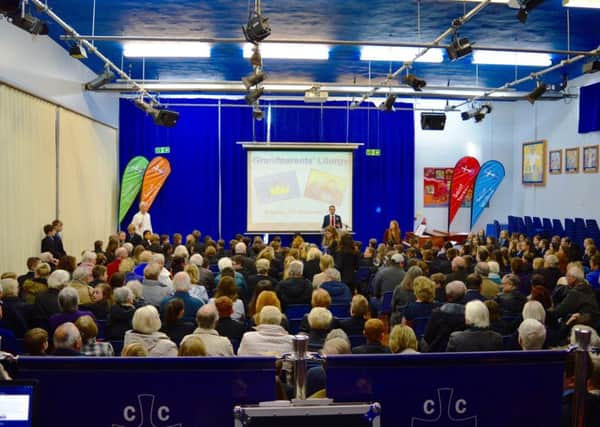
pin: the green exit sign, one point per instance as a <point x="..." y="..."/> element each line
<point x="162" y="150"/>
<point x="373" y="152"/>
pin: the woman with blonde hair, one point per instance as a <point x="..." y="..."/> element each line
<point x="330" y="240"/>
<point x="424" y="290"/>
<point x="192" y="346"/>
<point x="312" y="264"/>
<point x="403" y="340"/>
<point x="325" y="262"/>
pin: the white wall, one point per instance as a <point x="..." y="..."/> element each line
<point x="564" y="195"/>
<point x="491" y="139"/>
<point x="41" y="67"/>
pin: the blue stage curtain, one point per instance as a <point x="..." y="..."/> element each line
<point x="194" y="194"/>
<point x="589" y="108"/>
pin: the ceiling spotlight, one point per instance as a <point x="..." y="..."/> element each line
<point x="144" y="106"/>
<point x="253" y="95"/>
<point x="526" y="7"/>
<point x="459" y="48"/>
<point x="257" y="29"/>
<point x="77" y="51"/>
<point x="413" y="81"/>
<point x="30" y="23"/>
<point x="591" y="67"/>
<point x="536" y="93"/>
<point x="253" y="79"/>
<point x="165" y="117"/>
<point x="257" y="113"/>
<point x="256" y="58"/>
<point x="478" y="114"/>
<point x="105" y="77"/>
<point x="388" y="104"/>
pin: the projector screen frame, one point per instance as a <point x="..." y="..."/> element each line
<point x="298" y="147"/>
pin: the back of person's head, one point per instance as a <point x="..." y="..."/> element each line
<point x="482" y="269"/>
<point x="551" y="261"/>
<point x="295" y="269"/>
<point x="537" y="263"/>
<point x="152" y="271"/>
<point x="174" y="310"/>
<point x="197" y="260"/>
<point x="224" y="263"/>
<point x="127" y="265"/>
<point x="319" y="318"/>
<point x="262" y="266"/>
<point x="87" y="328"/>
<point x="534" y="310"/>
<point x="67" y="336"/>
<point x="207" y="316"/>
<point x="9" y="287"/>
<point x="146" y="320"/>
<point x="325" y="262"/>
<point x="336" y="346"/>
<point x="438" y="278"/>
<point x="532" y="334"/>
<point x="337" y="333"/>
<point x="320" y="298"/>
<point x="35" y="342"/>
<point x="136" y="288"/>
<point x="123" y="295"/>
<point x="401" y="338"/>
<point x="192" y="346"/>
<point x="134" y="349"/>
<point x="455" y="291"/>
<point x="43" y="269"/>
<point x="181" y="282"/>
<point x="458" y="263"/>
<point x="98" y="272"/>
<point x="240" y="248"/>
<point x="269" y="315"/>
<point x="512" y="280"/>
<point x="68" y="300"/>
<point x="313" y="253"/>
<point x="494" y="267"/>
<point x="410" y="276"/>
<point x="374" y="330"/>
<point x="267" y="298"/>
<point x="424" y="289"/>
<point x="477" y="315"/>
<point x="493" y="309"/>
<point x="473" y="282"/>
<point x="482" y="253"/>
<point x="224" y="306"/>
<point x="193" y="272"/>
<point x="359" y="306"/>
<point x="227" y="287"/>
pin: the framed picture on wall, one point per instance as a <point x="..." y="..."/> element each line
<point x="555" y="162"/>
<point x="533" y="163"/>
<point x="590" y="159"/>
<point x="572" y="160"/>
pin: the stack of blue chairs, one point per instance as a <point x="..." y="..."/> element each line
<point x="593" y="231"/>
<point x="557" y="228"/>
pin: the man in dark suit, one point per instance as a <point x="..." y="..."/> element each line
<point x="132" y="237"/>
<point x="58" y="226"/>
<point x="332" y="219"/>
<point x="48" y="242"/>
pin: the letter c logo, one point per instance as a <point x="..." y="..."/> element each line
<point x="461" y="406"/>
<point x="129" y="413"/>
<point x="163" y="413"/>
<point x="429" y="407"/>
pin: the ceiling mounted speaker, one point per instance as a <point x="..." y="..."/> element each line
<point x="433" y="121"/>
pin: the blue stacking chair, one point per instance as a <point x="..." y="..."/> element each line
<point x="419" y="324"/>
<point x="490" y="230"/>
<point x="557" y="227"/>
<point x="297" y="311"/>
<point x="340" y="310"/>
<point x="513" y="225"/>
<point x="547" y="224"/>
<point x="570" y="228"/>
<point x="386" y="304"/>
<point x="537" y="225"/>
<point x="497" y="228"/>
<point x="101" y="328"/>
<point x="9" y="341"/>
<point x="356" y="340"/>
<point x="521" y="225"/>
<point x="529" y="227"/>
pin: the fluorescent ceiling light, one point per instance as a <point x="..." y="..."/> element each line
<point x="399" y="54"/>
<point x="594" y="4"/>
<point x="289" y="51"/>
<point x="166" y="50"/>
<point x="499" y="57"/>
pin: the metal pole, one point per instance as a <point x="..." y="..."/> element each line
<point x="583" y="338"/>
<point x="300" y="343"/>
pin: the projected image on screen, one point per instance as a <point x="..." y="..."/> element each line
<point x="291" y="190"/>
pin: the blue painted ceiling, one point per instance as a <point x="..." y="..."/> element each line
<point x="355" y="20"/>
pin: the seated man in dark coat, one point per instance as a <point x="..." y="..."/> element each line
<point x="296" y="289"/>
<point x="580" y="298"/>
<point x="46" y="303"/>
<point x="446" y="319"/>
<point x="478" y="336"/>
<point x="473" y="284"/>
<point x="13" y="308"/>
<point x="120" y="315"/>
<point x="511" y="301"/>
<point x="374" y="331"/>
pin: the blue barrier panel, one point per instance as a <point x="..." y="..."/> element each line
<point x="138" y="391"/>
<point x="469" y="389"/>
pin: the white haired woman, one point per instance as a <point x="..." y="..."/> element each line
<point x="478" y="336"/>
<point x="146" y="325"/>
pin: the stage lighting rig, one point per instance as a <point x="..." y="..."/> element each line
<point x="477" y="113"/>
<point x="257" y="113"/>
<point x="253" y="79"/>
<point x="254" y="95"/>
<point x="17" y="15"/>
<point x="413" y="81"/>
<point x="459" y="48"/>
<point x="536" y="93"/>
<point x="257" y="29"/>
<point x="103" y="78"/>
<point x="77" y="51"/>
<point x="526" y="6"/>
<point x="388" y="104"/>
